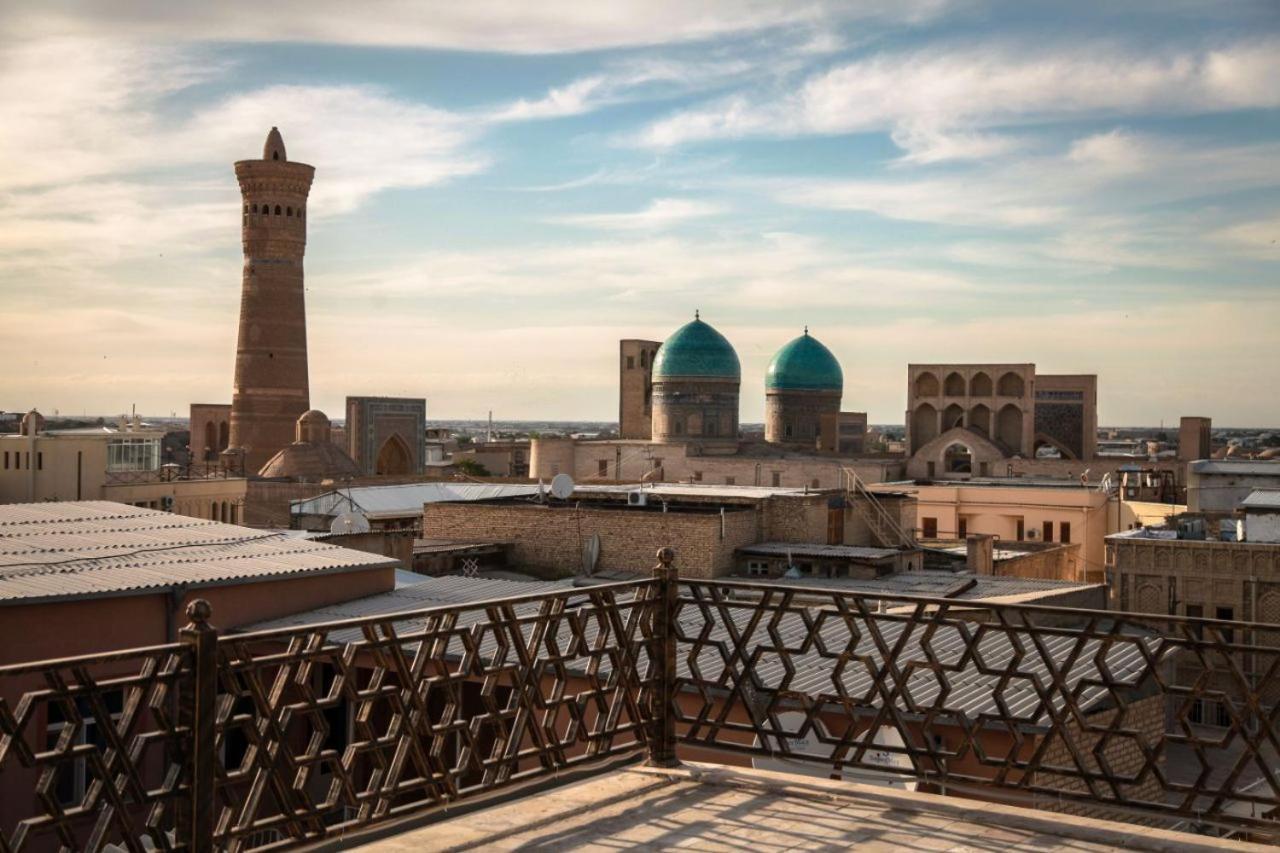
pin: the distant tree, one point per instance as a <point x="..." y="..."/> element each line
<point x="464" y="439"/>
<point x="471" y="467"/>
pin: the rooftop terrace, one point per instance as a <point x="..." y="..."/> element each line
<point x="325" y="731"/>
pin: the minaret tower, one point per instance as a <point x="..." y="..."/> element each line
<point x="271" y="388"/>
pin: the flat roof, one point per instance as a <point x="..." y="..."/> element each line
<point x="699" y="806"/>
<point x="81" y="549"/>
<point x="397" y="501"/>
<point x="1236" y="466"/>
<point x="811" y="549"/>
<point x="1262" y="499"/>
<point x="700" y="490"/>
<point x="962" y="586"/>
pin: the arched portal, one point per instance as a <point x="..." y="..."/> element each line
<point x="958" y="459"/>
<point x="224" y="435"/>
<point x="1009" y="428"/>
<point x="924" y="425"/>
<point x="394" y="457"/>
<point x="980" y="385"/>
<point x="210" y="440"/>
<point x="954" y="385"/>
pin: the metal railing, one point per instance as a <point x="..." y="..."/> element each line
<point x="239" y="741"/>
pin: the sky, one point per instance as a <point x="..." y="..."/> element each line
<point x="505" y="190"/>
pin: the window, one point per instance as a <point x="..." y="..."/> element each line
<point x="677" y="427"/>
<point x="1064" y="532"/>
<point x="643" y="359"/>
<point x="1048" y="531"/>
<point x="133" y="454"/>
<point x="27" y="460"/>
<point x="1196" y="611"/>
<point x="929" y="528"/>
<point x="1227" y="614"/>
<point x="631" y="362"/>
<point x="730" y="481"/>
<point x="962" y="528"/>
<point x="602" y="468"/>
<point x="758" y="568"/>
<point x="73" y="775"/>
<point x="6" y="460"/>
<point x="39" y="460"/>
<point x="277" y="210"/>
<point x="814" y="483"/>
<point x="697" y="476"/>
<point x="777" y="479"/>
<point x="933" y="469"/>
<point x="1022" y="530"/>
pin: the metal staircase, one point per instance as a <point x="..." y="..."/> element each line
<point x="884" y="526"/>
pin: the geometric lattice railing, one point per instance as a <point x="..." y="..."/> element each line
<point x="337" y="726"/>
<point x="1116" y="715"/>
<point x="94" y="750"/>
<point x="244" y="741"/>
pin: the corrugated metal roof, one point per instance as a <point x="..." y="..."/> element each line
<point x="406" y="499"/>
<point x="695" y="490"/>
<point x="1262" y="499"/>
<point x="808" y="549"/>
<point x="971" y="689"/>
<point x="87" y="548"/>
<point x="1230" y="466"/>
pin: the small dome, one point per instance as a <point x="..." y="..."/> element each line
<point x="804" y="365"/>
<point x="313" y="425"/>
<point x="696" y="350"/>
<point x="32" y="423"/>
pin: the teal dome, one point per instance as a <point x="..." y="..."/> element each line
<point x="696" y="350"/>
<point x="804" y="365"/>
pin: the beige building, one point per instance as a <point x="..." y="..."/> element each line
<point x="1154" y="570"/>
<point x="121" y="464"/>
<point x="210" y="431"/>
<point x="964" y="419"/>
<point x="754" y="464"/>
<point x="1042" y="511"/>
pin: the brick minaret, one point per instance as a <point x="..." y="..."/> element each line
<point x="271" y="389"/>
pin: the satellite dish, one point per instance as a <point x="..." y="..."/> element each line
<point x="350" y="522"/>
<point x="561" y="486"/>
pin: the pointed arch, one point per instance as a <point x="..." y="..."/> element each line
<point x="980" y="385"/>
<point x="926" y="385"/>
<point x="1009" y="428"/>
<point x="980" y="420"/>
<point x="394" y="457"/>
<point x="1011" y="385"/>
<point x="924" y="425"/>
<point x="952" y="417"/>
<point x="953" y="385"/>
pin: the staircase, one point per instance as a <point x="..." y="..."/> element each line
<point x="884" y="527"/>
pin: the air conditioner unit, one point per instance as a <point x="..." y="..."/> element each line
<point x="1033" y="534"/>
<point x="637" y="498"/>
<point x="166" y="503"/>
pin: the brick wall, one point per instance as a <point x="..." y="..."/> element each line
<point x="549" y="539"/>
<point x="1122" y="754"/>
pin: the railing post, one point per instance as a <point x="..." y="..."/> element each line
<point x="198" y="707"/>
<point x="662" y="744"/>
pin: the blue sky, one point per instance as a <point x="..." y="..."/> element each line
<point x="504" y="191"/>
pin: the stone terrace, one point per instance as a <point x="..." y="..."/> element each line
<point x="709" y="807"/>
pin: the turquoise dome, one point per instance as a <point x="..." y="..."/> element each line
<point x="804" y="365"/>
<point x="696" y="350"/>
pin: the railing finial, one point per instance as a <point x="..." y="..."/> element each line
<point x="198" y="611"/>
<point x="666" y="556"/>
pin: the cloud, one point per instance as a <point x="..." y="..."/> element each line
<point x="1111" y="177"/>
<point x="661" y="213"/>
<point x="550" y="26"/>
<point x="1259" y="238"/>
<point x="943" y="93"/>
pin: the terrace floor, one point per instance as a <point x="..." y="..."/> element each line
<point x="711" y="807"/>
